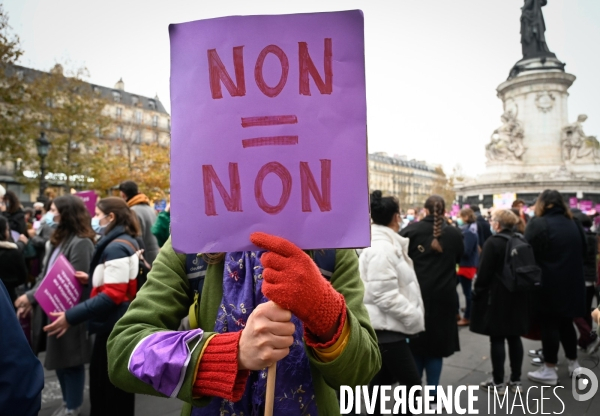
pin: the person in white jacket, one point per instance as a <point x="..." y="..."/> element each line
<point x="392" y="294"/>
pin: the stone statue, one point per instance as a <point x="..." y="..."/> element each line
<point x="576" y="146"/>
<point x="507" y="140"/>
<point x="533" y="27"/>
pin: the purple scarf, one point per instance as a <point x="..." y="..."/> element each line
<point x="294" y="393"/>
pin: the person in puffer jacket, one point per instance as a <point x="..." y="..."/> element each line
<point x="392" y="294"/>
<point x="114" y="269"/>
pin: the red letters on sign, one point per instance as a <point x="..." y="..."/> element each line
<point x="308" y="183"/>
<point x="258" y="74"/>
<point x="233" y="200"/>
<point x="218" y="73"/>
<point x="286" y="180"/>
<point x="306" y="65"/>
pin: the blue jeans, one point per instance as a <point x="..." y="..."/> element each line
<point x="467" y="285"/>
<point x="432" y="366"/>
<point x="72" y="381"/>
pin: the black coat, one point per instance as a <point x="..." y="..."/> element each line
<point x="16" y="221"/>
<point x="496" y="311"/>
<point x="13" y="271"/>
<point x="436" y="273"/>
<point x="483" y="230"/>
<point x="559" y="246"/>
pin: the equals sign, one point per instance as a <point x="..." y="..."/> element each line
<point x="269" y="140"/>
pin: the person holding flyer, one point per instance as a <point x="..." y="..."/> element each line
<point x="114" y="269"/>
<point x="73" y="238"/>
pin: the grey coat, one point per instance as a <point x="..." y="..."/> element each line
<point x="147" y="217"/>
<point x="74" y="347"/>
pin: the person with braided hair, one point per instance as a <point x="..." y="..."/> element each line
<point x="435" y="248"/>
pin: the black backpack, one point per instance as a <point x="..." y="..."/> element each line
<point x="521" y="273"/>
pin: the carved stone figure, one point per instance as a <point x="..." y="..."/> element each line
<point x="576" y="146"/>
<point x="533" y="40"/>
<point x="507" y="140"/>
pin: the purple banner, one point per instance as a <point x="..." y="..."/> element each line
<point x="89" y="199"/>
<point x="60" y="290"/>
<point x="585" y="206"/>
<point x="573" y="202"/>
<point x="269" y="131"/>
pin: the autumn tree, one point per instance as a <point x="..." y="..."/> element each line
<point x="444" y="186"/>
<point x="16" y="134"/>
<point x="71" y="114"/>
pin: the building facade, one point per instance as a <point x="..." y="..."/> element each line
<point x="411" y="181"/>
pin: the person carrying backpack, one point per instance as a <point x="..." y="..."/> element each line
<point x="256" y="308"/>
<point x="498" y="312"/>
<point x="114" y="269"/>
<point x="559" y="245"/>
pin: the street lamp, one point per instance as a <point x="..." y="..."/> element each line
<point x="43" y="146"/>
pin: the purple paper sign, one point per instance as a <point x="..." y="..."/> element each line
<point x="59" y="290"/>
<point x="269" y="131"/>
<point x="15" y="235"/>
<point x="585" y="206"/>
<point x="89" y="199"/>
<point x="573" y="202"/>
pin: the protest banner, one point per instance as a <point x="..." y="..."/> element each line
<point x="60" y="290"/>
<point x="15" y="235"/>
<point x="573" y="202"/>
<point x="504" y="201"/>
<point x="269" y="131"/>
<point x="586" y="206"/>
<point x="89" y="199"/>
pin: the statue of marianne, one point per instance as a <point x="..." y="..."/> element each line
<point x="533" y="27"/>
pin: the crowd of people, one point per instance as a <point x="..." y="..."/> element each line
<point x="105" y="249"/>
<point x="206" y="327"/>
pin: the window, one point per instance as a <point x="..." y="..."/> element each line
<point x="98" y="131"/>
<point x="138" y="137"/>
<point x="154" y="121"/>
<point x="134" y="100"/>
<point x="49" y="102"/>
<point x="118" y="112"/>
<point x="119" y="131"/>
<point x="96" y="89"/>
<point x="20" y="75"/>
<point x="138" y="116"/>
<point x="116" y="96"/>
<point x="152" y="104"/>
<point x="138" y="152"/>
<point x="117" y="150"/>
<point x="156" y="137"/>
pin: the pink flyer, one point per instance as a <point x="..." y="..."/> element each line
<point x="60" y="290"/>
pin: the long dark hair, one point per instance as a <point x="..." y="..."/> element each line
<point x="3" y="228"/>
<point x="13" y="202"/>
<point x="74" y="220"/>
<point x="123" y="215"/>
<point x="548" y="199"/>
<point x="383" y="209"/>
<point x="437" y="207"/>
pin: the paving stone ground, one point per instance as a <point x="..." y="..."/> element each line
<point x="468" y="367"/>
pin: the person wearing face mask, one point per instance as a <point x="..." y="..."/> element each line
<point x="410" y="218"/>
<point x="467" y="268"/>
<point x="114" y="269"/>
<point x="502" y="315"/>
<point x="73" y="238"/>
<point x="392" y="295"/>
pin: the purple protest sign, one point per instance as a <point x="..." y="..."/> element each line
<point x="15" y="235"/>
<point x="89" y="199"/>
<point x="585" y="206"/>
<point x="269" y="131"/>
<point x="573" y="202"/>
<point x="60" y="290"/>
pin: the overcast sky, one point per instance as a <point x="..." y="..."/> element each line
<point x="432" y="65"/>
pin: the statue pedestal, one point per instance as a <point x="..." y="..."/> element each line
<point x="535" y="113"/>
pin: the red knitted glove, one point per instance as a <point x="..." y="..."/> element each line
<point x="292" y="280"/>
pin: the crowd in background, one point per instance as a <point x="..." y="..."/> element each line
<point x="411" y="273"/>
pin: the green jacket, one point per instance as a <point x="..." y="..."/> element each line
<point x="162" y="227"/>
<point x="165" y="300"/>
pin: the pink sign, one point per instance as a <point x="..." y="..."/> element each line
<point x="59" y="290"/>
<point x="89" y="199"/>
<point x="573" y="202"/>
<point x="269" y="131"/>
<point x="585" y="206"/>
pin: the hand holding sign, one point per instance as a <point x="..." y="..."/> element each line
<point x="291" y="278"/>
